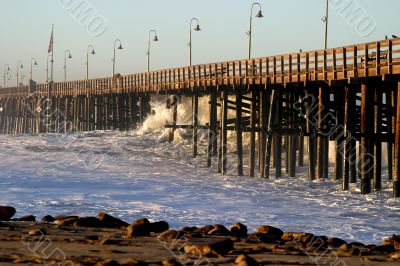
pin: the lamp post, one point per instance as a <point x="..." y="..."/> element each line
<point x="19" y="65"/>
<point x="197" y="28"/>
<point x="87" y="59"/>
<point x="66" y="52"/>
<point x="47" y="67"/>
<point x="148" y="49"/>
<point x="325" y="19"/>
<point x="119" y="48"/>
<point x="33" y="62"/>
<point x="6" y="72"/>
<point x="250" y="33"/>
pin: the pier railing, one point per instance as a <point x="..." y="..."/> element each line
<point x="355" y="61"/>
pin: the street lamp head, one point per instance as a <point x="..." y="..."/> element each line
<point x="120" y="47"/>
<point x="35" y="63"/>
<point x="155" y="38"/>
<point x="8" y="69"/>
<point x="259" y="14"/>
<point x="70" y="56"/>
<point x="197" y="28"/>
<point x="22" y="66"/>
<point x="93" y="52"/>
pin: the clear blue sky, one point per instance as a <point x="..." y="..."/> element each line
<point x="287" y="26"/>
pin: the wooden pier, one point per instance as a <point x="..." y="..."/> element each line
<point x="294" y="105"/>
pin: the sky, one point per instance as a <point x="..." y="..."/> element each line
<point x="287" y="26"/>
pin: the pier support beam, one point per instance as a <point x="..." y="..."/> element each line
<point x="277" y="138"/>
<point x="269" y="136"/>
<point x="195" y="121"/>
<point x="320" y="139"/>
<point x="339" y="145"/>
<point x="311" y="107"/>
<point x="348" y="142"/>
<point x="223" y="145"/>
<point x="253" y="119"/>
<point x="239" y="131"/>
<point x="213" y="130"/>
<point x="365" y="144"/>
<point x="378" y="140"/>
<point x="396" y="177"/>
<point x="263" y="125"/>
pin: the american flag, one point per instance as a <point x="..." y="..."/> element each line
<point x="51" y="42"/>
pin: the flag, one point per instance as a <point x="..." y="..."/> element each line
<point x="51" y="42"/>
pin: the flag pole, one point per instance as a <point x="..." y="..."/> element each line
<point x="52" y="54"/>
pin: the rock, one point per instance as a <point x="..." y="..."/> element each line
<point x="159" y="227"/>
<point x="219" y="230"/>
<point x="171" y="235"/>
<point x="395" y="240"/>
<point x="171" y="262"/>
<point x="335" y="242"/>
<point x="27" y="218"/>
<point x="63" y="217"/>
<point x="37" y="232"/>
<point x="300" y="237"/>
<point x="239" y="230"/>
<point x="48" y="219"/>
<point x="66" y="220"/>
<point x="142" y="221"/>
<point x="6" y="213"/>
<point x="188" y="229"/>
<point x="209" y="247"/>
<point x="395" y="256"/>
<point x="270" y="231"/>
<point x="110" y="221"/>
<point x="344" y="247"/>
<point x="110" y="241"/>
<point x="384" y="248"/>
<point x="355" y="251"/>
<point x="204" y="229"/>
<point x="265" y="238"/>
<point x="357" y="244"/>
<point x="108" y="262"/>
<point x="132" y="262"/>
<point x="244" y="260"/>
<point x="88" y="222"/>
<point x="316" y="243"/>
<point x="92" y="238"/>
<point x="139" y="227"/>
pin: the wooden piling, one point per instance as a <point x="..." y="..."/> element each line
<point x="174" y="117"/>
<point x="195" y="122"/>
<point x="263" y="126"/>
<point x="320" y="139"/>
<point x="213" y="130"/>
<point x="224" y="130"/>
<point x="365" y="139"/>
<point x="239" y="131"/>
<point x="311" y="106"/>
<point x="377" y="140"/>
<point x="277" y="138"/>
<point x="389" y="143"/>
<point x="396" y="176"/>
<point x="253" y="119"/>
<point x="339" y="138"/>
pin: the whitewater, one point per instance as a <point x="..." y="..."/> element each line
<point x="139" y="174"/>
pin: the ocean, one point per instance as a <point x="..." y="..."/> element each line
<point x="139" y="174"/>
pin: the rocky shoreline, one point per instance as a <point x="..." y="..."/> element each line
<point x="107" y="240"/>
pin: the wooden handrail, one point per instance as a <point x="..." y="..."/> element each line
<point x="361" y="60"/>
